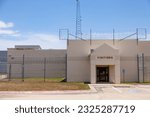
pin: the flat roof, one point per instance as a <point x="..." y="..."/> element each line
<point x="34" y="47"/>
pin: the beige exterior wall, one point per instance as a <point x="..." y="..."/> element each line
<point x="144" y="47"/>
<point x="34" y="63"/>
<point x="78" y="65"/>
<point x="112" y="73"/>
<point x="123" y="69"/>
<point x="84" y="56"/>
<point x="128" y="50"/>
<point x="81" y="66"/>
<point x="106" y="50"/>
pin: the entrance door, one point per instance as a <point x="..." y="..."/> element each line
<point x="102" y="74"/>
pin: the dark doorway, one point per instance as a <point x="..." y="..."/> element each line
<point x="102" y="74"/>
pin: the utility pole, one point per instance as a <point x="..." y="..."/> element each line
<point x="78" y="21"/>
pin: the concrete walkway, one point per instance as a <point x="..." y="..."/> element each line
<point x="97" y="92"/>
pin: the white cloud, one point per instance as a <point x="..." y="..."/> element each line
<point x="5" y="29"/>
<point x="9" y="38"/>
<point x="43" y="37"/>
<point x="8" y="32"/>
<point x="46" y="41"/>
<point x="6" y="25"/>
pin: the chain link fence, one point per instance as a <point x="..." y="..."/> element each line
<point x="146" y="69"/>
<point x="36" y="67"/>
<point x="3" y="64"/>
<point x="56" y="67"/>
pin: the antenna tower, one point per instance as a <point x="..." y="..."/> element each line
<point x="78" y="21"/>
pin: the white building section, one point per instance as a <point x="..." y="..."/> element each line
<point x="95" y="61"/>
<point x="103" y="61"/>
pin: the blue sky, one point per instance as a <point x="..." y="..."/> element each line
<point x="38" y="21"/>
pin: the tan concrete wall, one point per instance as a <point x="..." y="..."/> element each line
<point x="34" y="63"/>
<point x="112" y="73"/>
<point x="130" y="68"/>
<point x="78" y="65"/>
<point x="37" y="53"/>
<point x="96" y="43"/>
<point x="144" y="47"/>
<point x="128" y="51"/>
<point x="106" y="50"/>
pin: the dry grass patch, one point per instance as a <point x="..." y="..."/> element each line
<point x="34" y="84"/>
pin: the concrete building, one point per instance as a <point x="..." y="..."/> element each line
<point x="93" y="61"/>
<point x="99" y="61"/>
<point x="32" y="61"/>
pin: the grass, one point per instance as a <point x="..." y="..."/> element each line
<point x="38" y="84"/>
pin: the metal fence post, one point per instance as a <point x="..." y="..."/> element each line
<point x="9" y="72"/>
<point x="123" y="71"/>
<point x="138" y="68"/>
<point x="66" y="68"/>
<point x="143" y="67"/>
<point x="44" y="69"/>
<point x="23" y="68"/>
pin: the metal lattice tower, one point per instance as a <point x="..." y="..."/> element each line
<point x="78" y="21"/>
